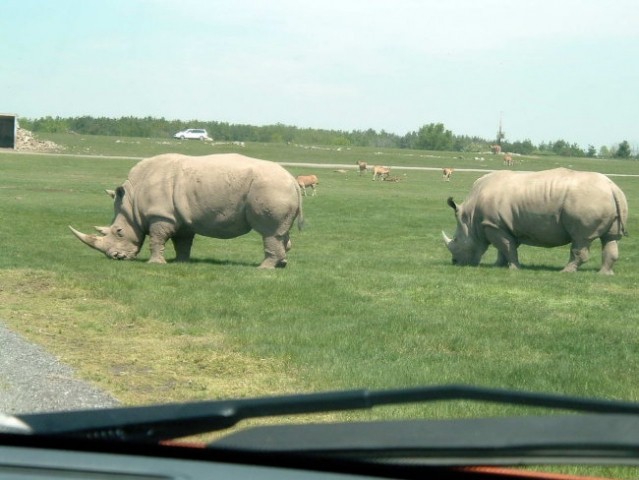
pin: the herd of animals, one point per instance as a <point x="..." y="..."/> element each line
<point x="176" y="197"/>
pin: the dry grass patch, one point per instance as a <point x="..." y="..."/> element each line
<point x="138" y="360"/>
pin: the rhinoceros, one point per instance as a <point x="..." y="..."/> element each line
<point x="545" y="209"/>
<point x="221" y="196"/>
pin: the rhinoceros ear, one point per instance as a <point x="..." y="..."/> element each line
<point x="110" y="193"/>
<point x="451" y="203"/>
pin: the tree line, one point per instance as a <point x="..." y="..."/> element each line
<point x="434" y="136"/>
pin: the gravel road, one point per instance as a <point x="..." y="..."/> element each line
<point x="33" y="380"/>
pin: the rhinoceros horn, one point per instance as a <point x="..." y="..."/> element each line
<point x="92" y="241"/>
<point x="446" y="239"/>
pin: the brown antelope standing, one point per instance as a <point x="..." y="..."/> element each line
<point x="308" y="181"/>
<point x="447" y="173"/>
<point x="380" y="171"/>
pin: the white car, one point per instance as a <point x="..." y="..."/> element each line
<point x="192" y="134"/>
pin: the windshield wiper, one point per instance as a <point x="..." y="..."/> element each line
<point x="526" y="439"/>
<point x="170" y="421"/>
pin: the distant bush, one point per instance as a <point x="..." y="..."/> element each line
<point x="433" y="136"/>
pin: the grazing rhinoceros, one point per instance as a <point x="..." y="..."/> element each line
<point x="544" y="209"/>
<point x="221" y="196"/>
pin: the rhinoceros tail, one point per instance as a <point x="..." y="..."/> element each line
<point x="620" y="213"/>
<point x="300" y="216"/>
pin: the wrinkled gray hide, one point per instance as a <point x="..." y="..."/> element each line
<point x="544" y="209"/>
<point x="222" y="196"/>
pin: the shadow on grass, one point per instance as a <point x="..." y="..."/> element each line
<point x="539" y="268"/>
<point x="543" y="268"/>
<point x="213" y="261"/>
<point x="492" y="266"/>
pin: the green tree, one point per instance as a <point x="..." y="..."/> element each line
<point x="563" y="148"/>
<point x="604" y="152"/>
<point x="434" y="136"/>
<point x="524" y="147"/>
<point x="623" y="151"/>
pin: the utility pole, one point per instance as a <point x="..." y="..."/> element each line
<point x="500" y="134"/>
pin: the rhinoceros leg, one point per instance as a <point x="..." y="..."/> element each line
<point x="506" y="247"/>
<point x="159" y="233"/>
<point x="275" y="248"/>
<point x="157" y="251"/>
<point x="502" y="261"/>
<point x="182" y="247"/>
<point x="579" y="254"/>
<point x="609" y="255"/>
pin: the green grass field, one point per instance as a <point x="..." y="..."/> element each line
<point x="369" y="299"/>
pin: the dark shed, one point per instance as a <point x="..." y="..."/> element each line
<point x="8" y="130"/>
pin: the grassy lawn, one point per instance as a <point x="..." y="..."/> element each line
<point x="369" y="298"/>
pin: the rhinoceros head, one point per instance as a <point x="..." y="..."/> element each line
<point x="113" y="242"/>
<point x="464" y="249"/>
<point x="121" y="240"/>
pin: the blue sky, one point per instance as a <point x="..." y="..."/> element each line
<point x="550" y="69"/>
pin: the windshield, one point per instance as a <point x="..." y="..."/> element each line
<point x="298" y="248"/>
